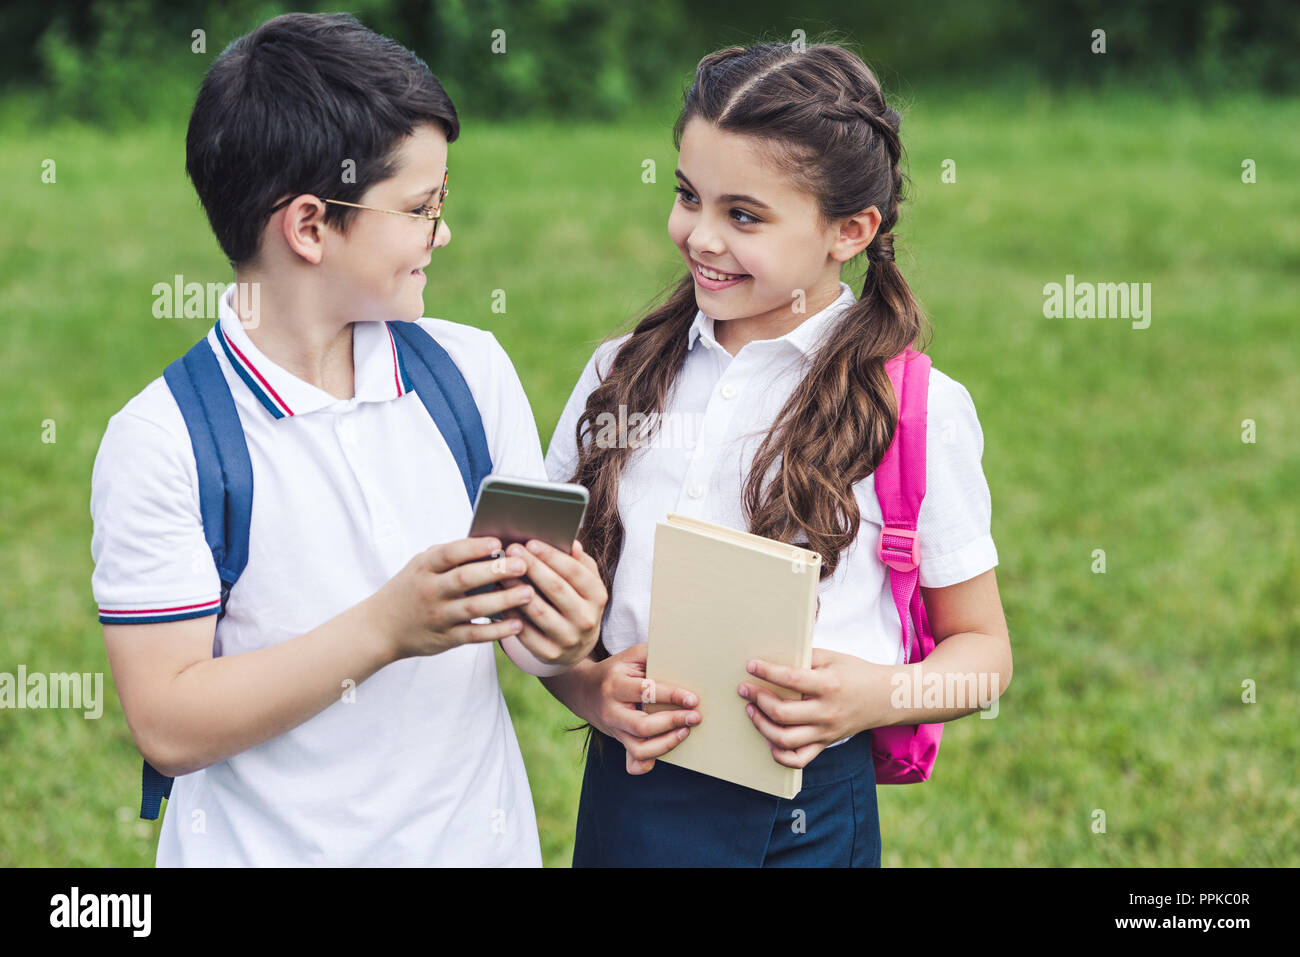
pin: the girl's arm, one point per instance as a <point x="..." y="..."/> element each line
<point x="968" y="670"/>
<point x="972" y="652"/>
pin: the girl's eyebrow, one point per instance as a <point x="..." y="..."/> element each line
<point x="729" y="198"/>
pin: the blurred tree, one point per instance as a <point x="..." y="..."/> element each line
<point x="114" y="61"/>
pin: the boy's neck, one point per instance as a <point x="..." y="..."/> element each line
<point x="293" y="330"/>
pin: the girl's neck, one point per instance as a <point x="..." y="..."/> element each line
<point x="734" y="334"/>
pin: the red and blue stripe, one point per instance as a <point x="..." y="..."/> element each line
<point x="399" y="368"/>
<point x="255" y="381"/>
<point x="147" y="616"/>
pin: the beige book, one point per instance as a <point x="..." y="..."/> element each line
<point x="718" y="599"/>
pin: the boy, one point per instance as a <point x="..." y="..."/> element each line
<point x="344" y="710"/>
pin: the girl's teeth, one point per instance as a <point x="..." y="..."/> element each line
<point x="710" y="274"/>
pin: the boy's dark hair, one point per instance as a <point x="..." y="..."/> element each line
<point x="283" y="108"/>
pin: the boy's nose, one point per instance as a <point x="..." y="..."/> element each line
<point x="443" y="236"/>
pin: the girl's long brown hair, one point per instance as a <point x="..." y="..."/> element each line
<point x="822" y="112"/>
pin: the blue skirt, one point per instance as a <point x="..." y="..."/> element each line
<point x="672" y="817"/>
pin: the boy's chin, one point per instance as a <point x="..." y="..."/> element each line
<point x="410" y="308"/>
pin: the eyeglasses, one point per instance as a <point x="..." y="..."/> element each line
<point x="430" y="214"/>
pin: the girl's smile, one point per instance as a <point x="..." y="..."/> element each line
<point x="715" y="279"/>
<point x="737" y="205"/>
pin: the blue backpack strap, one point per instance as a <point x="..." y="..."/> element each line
<point x="225" y="491"/>
<point x="445" y="393"/>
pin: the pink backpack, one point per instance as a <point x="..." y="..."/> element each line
<point x="905" y="754"/>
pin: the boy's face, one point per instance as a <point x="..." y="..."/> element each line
<point x="375" y="270"/>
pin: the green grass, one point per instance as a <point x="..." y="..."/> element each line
<point x="1128" y="684"/>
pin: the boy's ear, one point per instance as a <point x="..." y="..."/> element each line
<point x="855" y="234"/>
<point x="303" y="227"/>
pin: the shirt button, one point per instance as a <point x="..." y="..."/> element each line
<point x="728" y="391"/>
<point x="696" y="490"/>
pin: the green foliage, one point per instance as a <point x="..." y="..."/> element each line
<point x="117" y="62"/>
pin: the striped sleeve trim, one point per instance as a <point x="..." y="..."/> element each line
<point x="146" y="616"/>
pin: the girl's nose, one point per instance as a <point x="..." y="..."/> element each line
<point x="701" y="241"/>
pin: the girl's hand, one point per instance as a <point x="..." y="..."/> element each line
<point x="563" y="630"/>
<point x="841" y="696"/>
<point x="617" y="688"/>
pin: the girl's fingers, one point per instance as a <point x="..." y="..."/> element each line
<point x="650" y="724"/>
<point x="783" y="737"/>
<point x="636" y="688"/>
<point x="799" y="757"/>
<point x="641" y="752"/>
<point x="803" y="680"/>
<point x="781" y="710"/>
<point x="634" y="658"/>
<point x="637" y="767"/>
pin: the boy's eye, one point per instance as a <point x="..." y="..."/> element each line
<point x="426" y="211"/>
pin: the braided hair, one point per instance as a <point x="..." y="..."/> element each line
<point x="823" y="113"/>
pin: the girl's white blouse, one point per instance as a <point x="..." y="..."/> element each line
<point x="717" y="413"/>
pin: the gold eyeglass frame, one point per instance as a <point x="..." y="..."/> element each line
<point x="435" y="216"/>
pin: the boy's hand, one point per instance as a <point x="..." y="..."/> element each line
<point x="561" y="628"/>
<point x="423" y="609"/>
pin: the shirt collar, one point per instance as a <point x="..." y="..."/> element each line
<point x="805" y="337"/>
<point x="377" y="368"/>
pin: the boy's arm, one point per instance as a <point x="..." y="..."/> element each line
<point x="187" y="710"/>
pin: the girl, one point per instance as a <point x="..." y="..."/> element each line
<point x="789" y="168"/>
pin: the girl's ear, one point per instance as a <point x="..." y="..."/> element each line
<point x="855" y="234"/>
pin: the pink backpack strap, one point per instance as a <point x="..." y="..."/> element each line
<point x="900" y="487"/>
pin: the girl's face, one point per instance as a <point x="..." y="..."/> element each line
<point x="752" y="240"/>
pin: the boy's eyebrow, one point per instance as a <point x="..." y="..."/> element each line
<point x="424" y="195"/>
<point x="729" y="197"/>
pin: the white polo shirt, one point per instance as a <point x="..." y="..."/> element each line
<point x="422" y="767"/>
<point x="717" y="414"/>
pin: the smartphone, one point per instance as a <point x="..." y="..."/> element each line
<point x="517" y="510"/>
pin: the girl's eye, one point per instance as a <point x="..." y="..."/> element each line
<point x="742" y="218"/>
